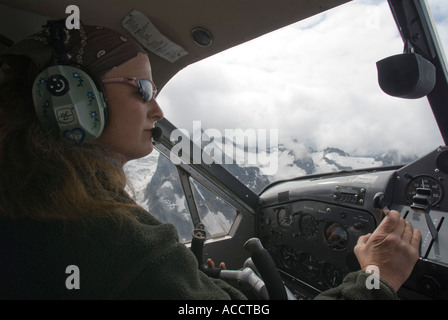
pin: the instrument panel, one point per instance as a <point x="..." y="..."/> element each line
<point x="311" y="225"/>
<point x="313" y="241"/>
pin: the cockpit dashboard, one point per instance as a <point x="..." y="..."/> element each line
<point x="311" y="225"/>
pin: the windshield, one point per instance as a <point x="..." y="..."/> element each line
<point x="306" y="98"/>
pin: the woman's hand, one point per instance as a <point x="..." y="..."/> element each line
<point x="211" y="264"/>
<point x="393" y="248"/>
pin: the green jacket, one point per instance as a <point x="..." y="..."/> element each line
<point x="132" y="260"/>
<point x="137" y="259"/>
<point x="354" y="287"/>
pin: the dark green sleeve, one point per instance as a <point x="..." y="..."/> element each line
<point x="159" y="267"/>
<point x="175" y="275"/>
<point x="355" y="287"/>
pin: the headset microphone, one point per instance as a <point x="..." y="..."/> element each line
<point x="157" y="135"/>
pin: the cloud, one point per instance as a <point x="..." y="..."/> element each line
<point x="439" y="10"/>
<point x="315" y="81"/>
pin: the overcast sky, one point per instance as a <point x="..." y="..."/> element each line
<point x="315" y="81"/>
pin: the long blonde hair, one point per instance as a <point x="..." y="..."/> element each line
<point x="44" y="177"/>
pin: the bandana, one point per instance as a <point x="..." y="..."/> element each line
<point x="98" y="49"/>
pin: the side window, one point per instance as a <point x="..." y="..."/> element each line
<point x="216" y="215"/>
<point x="155" y="186"/>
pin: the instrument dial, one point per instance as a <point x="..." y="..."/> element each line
<point x="309" y="266"/>
<point x="425" y="182"/>
<point x="288" y="258"/>
<point x="333" y="275"/>
<point x="308" y="226"/>
<point x="284" y="217"/>
<point x="336" y="235"/>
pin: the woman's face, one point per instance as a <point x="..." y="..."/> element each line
<point x="130" y="119"/>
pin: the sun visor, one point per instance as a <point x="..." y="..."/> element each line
<point x="406" y="75"/>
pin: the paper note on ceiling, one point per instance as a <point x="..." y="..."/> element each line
<point x="148" y="35"/>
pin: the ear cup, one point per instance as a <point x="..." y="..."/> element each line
<point x="57" y="85"/>
<point x="69" y="98"/>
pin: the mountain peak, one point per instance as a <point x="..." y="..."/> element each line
<point x="335" y="150"/>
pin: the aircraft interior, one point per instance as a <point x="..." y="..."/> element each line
<point x="298" y="231"/>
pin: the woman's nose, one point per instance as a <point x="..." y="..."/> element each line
<point x="156" y="112"/>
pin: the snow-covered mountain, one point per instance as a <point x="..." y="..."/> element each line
<point x="156" y="187"/>
<point x="302" y="160"/>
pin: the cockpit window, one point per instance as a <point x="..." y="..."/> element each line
<point x="154" y="184"/>
<point x="306" y="98"/>
<point x="301" y="100"/>
<point x="439" y="11"/>
<point x="216" y="215"/>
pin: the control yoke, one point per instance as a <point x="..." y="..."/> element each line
<point x="267" y="269"/>
<point x="259" y="273"/>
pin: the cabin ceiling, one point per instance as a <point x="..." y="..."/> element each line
<point x="231" y="22"/>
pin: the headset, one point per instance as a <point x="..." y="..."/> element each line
<point x="67" y="96"/>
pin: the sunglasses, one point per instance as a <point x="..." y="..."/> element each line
<point x="146" y="87"/>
